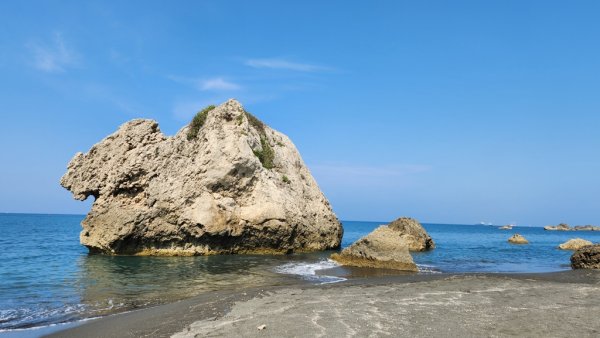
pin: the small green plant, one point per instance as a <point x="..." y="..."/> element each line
<point x="280" y="144"/>
<point x="197" y="122"/>
<point x="256" y="123"/>
<point x="266" y="155"/>
<point x="285" y="179"/>
<point x="240" y="119"/>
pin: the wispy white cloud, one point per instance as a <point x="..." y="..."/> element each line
<point x="54" y="56"/>
<point x="208" y="84"/>
<point x="217" y="83"/>
<point x="275" y="63"/>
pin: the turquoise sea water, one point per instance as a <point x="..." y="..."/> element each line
<point x="47" y="277"/>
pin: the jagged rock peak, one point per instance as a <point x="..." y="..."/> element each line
<point x="226" y="183"/>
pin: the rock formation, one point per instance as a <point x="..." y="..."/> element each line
<point x="518" y="239"/>
<point x="586" y="228"/>
<point x="388" y="246"/>
<point x="560" y="227"/>
<point x="587" y="257"/>
<point x="566" y="227"/>
<point x="227" y="183"/>
<point x="383" y="248"/>
<point x="574" y="244"/>
<point x="413" y="233"/>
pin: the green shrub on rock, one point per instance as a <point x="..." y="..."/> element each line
<point x="266" y="155"/>
<point x="197" y="122"/>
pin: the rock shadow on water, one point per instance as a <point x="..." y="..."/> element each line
<point x="111" y="284"/>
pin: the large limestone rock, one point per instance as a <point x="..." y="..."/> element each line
<point x="587" y="257"/>
<point x="232" y="186"/>
<point x="383" y="248"/>
<point x="518" y="239"/>
<point x="413" y="233"/>
<point x="574" y="244"/>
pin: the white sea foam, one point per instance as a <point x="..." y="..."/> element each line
<point x="424" y="268"/>
<point x="308" y="271"/>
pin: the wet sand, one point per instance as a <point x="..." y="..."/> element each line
<point x="474" y="305"/>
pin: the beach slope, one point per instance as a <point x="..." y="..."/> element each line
<point x="550" y="305"/>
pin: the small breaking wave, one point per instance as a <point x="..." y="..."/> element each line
<point x="307" y="271"/>
<point x="424" y="268"/>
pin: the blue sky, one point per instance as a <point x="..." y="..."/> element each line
<point x="449" y="111"/>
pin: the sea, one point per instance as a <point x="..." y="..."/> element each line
<point x="48" y="279"/>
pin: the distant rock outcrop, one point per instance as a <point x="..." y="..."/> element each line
<point x="560" y="227"/>
<point x="518" y="239"/>
<point x="413" y="233"/>
<point x="574" y="244"/>
<point x="566" y="227"/>
<point x="383" y="248"/>
<point x="587" y="257"/>
<point x="586" y="228"/>
<point x="227" y="183"/>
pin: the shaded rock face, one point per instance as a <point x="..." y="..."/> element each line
<point x="383" y="248"/>
<point x="587" y="257"/>
<point x="159" y="195"/>
<point x="574" y="244"/>
<point x="413" y="233"/>
<point x="518" y="239"/>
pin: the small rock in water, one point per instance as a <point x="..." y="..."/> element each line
<point x="383" y="248"/>
<point x="387" y="247"/>
<point x="262" y="327"/>
<point x="574" y="244"/>
<point x="518" y="239"/>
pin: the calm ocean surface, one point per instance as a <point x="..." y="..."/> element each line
<point x="46" y="277"/>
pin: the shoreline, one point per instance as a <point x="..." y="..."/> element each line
<point x="211" y="311"/>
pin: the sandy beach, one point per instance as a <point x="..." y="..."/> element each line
<point x="532" y="305"/>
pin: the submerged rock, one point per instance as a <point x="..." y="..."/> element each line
<point x="574" y="244"/>
<point x="227" y="183"/>
<point x="587" y="257"/>
<point x="413" y="233"/>
<point x="383" y="248"/>
<point x="518" y="239"/>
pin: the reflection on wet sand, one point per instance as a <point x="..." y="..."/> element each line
<point x="110" y="284"/>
